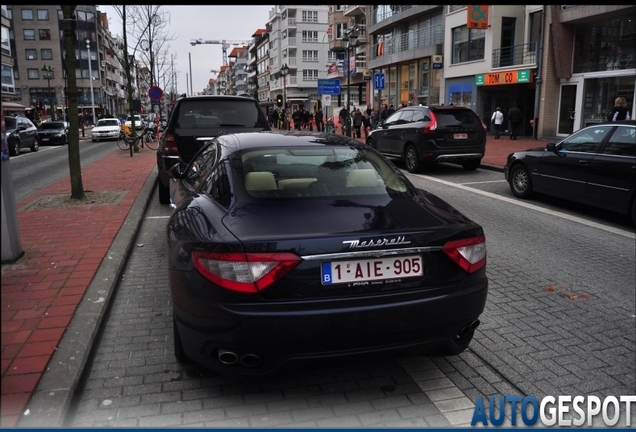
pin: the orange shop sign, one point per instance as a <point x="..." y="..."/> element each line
<point x="477" y="17"/>
<point x="521" y="76"/>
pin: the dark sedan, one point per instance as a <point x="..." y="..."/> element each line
<point x="594" y="166"/>
<point x="294" y="246"/>
<point x="21" y="133"/>
<point x="53" y="133"/>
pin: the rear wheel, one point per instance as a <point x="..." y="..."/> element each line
<point x="471" y="165"/>
<point x="123" y="144"/>
<point x="412" y="159"/>
<point x="164" y="193"/>
<point x="520" y="182"/>
<point x="150" y="141"/>
<point x="35" y="146"/>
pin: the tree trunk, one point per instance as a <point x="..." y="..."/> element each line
<point x="75" y="167"/>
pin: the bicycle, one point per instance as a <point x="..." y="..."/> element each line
<point x="147" y="139"/>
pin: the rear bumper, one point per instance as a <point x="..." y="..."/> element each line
<point x="273" y="335"/>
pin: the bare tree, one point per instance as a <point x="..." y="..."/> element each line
<point x="126" y="58"/>
<point x="70" y="63"/>
<point x="151" y="25"/>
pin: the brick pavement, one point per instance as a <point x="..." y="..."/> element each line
<point x="69" y="255"/>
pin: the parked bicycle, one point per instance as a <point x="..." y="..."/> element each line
<point x="146" y="139"/>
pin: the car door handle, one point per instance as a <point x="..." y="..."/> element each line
<point x="584" y="162"/>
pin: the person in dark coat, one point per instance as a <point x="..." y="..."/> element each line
<point x="515" y="117"/>
<point x="320" y="118"/>
<point x="304" y="117"/>
<point x="358" y="119"/>
<point x="390" y="111"/>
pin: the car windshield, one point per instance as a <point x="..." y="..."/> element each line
<point x="302" y="173"/>
<point x="52" y="125"/>
<point x="110" y="122"/>
<point x="137" y="118"/>
<point x="200" y="114"/>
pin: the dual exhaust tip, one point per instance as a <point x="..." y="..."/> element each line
<point x="468" y="329"/>
<point x="228" y="357"/>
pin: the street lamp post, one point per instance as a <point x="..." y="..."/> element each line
<point x="90" y="76"/>
<point x="352" y="41"/>
<point x="284" y="70"/>
<point x="47" y="74"/>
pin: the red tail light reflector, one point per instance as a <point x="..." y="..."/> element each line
<point x="469" y="253"/>
<point x="170" y="145"/>
<point x="246" y="273"/>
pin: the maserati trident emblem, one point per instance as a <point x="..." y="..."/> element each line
<point x="357" y="244"/>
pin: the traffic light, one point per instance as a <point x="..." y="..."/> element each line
<point x="279" y="100"/>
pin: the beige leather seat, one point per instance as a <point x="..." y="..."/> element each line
<point x="362" y="178"/>
<point x="260" y="181"/>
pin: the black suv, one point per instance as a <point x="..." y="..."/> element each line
<point x="430" y="134"/>
<point x="195" y="120"/>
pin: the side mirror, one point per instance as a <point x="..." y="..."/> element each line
<point x="176" y="171"/>
<point x="551" y="147"/>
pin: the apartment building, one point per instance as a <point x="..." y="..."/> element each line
<point x="588" y="61"/>
<point x="297" y="39"/>
<point x="32" y="39"/>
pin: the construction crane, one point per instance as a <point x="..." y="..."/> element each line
<point x="225" y="44"/>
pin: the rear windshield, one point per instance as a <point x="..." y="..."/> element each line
<point x="201" y="114"/>
<point x="112" y="122"/>
<point x="303" y="172"/>
<point x="450" y="118"/>
<point x="52" y="125"/>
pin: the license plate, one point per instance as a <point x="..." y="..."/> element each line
<point x="460" y="136"/>
<point x="371" y="269"/>
<point x="45" y="139"/>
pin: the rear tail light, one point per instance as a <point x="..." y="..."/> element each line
<point x="432" y="126"/>
<point x="469" y="254"/>
<point x="170" y="145"/>
<point x="246" y="273"/>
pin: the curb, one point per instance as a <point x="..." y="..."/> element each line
<point x="50" y="403"/>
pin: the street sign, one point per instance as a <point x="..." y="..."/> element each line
<point x="155" y="93"/>
<point x="328" y="86"/>
<point x="378" y="81"/>
<point x="326" y="100"/>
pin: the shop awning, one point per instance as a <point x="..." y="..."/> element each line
<point x="12" y="106"/>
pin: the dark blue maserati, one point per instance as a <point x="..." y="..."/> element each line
<point x="293" y="246"/>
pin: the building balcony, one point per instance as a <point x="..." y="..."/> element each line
<point x="517" y="55"/>
<point x="354" y="10"/>
<point x="421" y="38"/>
<point x="289" y="42"/>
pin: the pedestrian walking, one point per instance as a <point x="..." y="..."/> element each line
<point x="358" y="119"/>
<point x="344" y="118"/>
<point x="304" y="117"/>
<point x="320" y="117"/>
<point x="620" y="111"/>
<point x="390" y="111"/>
<point x="497" y="120"/>
<point x="297" y="119"/>
<point x="515" y="117"/>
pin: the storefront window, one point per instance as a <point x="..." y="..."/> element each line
<point x="609" y="45"/>
<point x="425" y="81"/>
<point x="460" y="94"/>
<point x="599" y="95"/>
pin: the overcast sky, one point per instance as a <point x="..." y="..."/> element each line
<point x="231" y="23"/>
